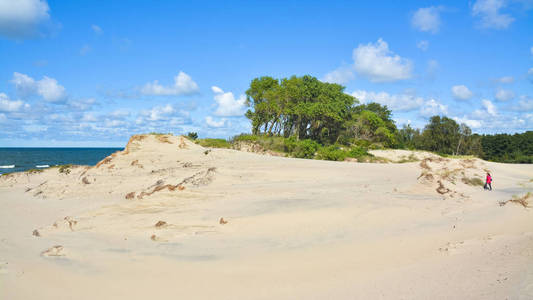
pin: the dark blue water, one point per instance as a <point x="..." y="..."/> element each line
<point x="30" y="158"/>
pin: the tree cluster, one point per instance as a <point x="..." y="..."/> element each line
<point x="442" y="135"/>
<point x="306" y="108"/>
<point x="516" y="148"/>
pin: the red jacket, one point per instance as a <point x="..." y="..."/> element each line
<point x="489" y="179"/>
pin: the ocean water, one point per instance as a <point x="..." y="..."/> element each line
<point x="22" y="159"/>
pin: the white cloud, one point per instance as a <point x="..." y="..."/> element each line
<point x="85" y="49"/>
<point x="216" y="124"/>
<point x="35" y="128"/>
<point x="89" y="117"/>
<point x="469" y="122"/>
<point x="114" y="123"/>
<point x="341" y="75"/>
<point x="432" y="108"/>
<point x="461" y="92"/>
<point x="21" y="18"/>
<point x="427" y="19"/>
<point x="379" y="64"/>
<point x="504" y="95"/>
<point x="489" y="107"/>
<point x="8" y="105"/>
<point x="423" y="45"/>
<point x="490" y="15"/>
<point x="401" y="102"/>
<point x="228" y="106"/>
<point x="505" y="79"/>
<point x="158" y="113"/>
<point x="119" y="113"/>
<point x="97" y="29"/>
<point x="183" y="85"/>
<point x="82" y="104"/>
<point x="24" y="84"/>
<point x="48" y="88"/>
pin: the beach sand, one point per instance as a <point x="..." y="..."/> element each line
<point x="166" y="218"/>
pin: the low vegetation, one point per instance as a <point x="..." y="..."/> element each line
<point x="34" y="171"/>
<point x="472" y="181"/>
<point x="410" y="158"/>
<point x="292" y="147"/>
<point x="64" y="169"/>
<point x="213" y="143"/>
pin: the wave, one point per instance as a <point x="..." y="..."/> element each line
<point x="42" y="166"/>
<point x="7" y="167"/>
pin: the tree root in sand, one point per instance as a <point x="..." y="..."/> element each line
<point x="441" y="189"/>
<point x="200" y="178"/>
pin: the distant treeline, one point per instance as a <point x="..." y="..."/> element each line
<point x="306" y="108"/>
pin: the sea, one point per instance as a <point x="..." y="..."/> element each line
<point x="22" y="159"/>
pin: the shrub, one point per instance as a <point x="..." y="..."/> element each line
<point x="244" y="137"/>
<point x="357" y="151"/>
<point x="192" y="135"/>
<point x="332" y="152"/>
<point x="213" y="143"/>
<point x="302" y="148"/>
<point x="64" y="169"/>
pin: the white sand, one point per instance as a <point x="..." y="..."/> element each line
<point x="297" y="229"/>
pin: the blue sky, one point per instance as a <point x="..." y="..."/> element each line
<point x="92" y="73"/>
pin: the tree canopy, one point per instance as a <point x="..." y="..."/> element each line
<point x="308" y="108"/>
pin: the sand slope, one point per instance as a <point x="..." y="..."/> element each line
<point x="145" y="223"/>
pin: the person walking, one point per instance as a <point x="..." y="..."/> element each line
<point x="488" y="182"/>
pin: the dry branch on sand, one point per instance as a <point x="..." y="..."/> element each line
<point x="524" y="200"/>
<point x="160" y="224"/>
<point x="56" y="250"/>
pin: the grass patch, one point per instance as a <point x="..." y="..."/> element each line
<point x="213" y="143"/>
<point x="34" y="171"/>
<point x="472" y="181"/>
<point x="64" y="169"/>
<point x="159" y="133"/>
<point x="410" y="158"/>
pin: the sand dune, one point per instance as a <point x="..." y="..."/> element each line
<point x="168" y="218"/>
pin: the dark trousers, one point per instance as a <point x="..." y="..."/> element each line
<point x="488" y="186"/>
